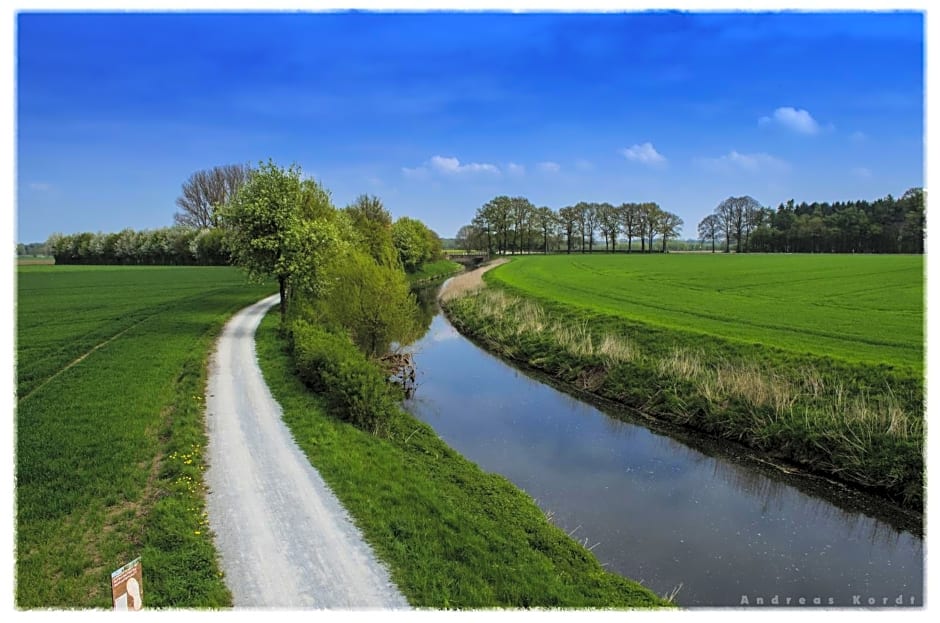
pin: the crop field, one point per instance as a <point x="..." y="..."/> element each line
<point x="110" y="430"/>
<point x="858" y="308"/>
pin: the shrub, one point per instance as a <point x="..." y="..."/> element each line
<point x="355" y="389"/>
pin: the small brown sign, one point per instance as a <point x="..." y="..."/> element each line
<point x="127" y="586"/>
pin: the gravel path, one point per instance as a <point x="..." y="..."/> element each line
<point x="468" y="281"/>
<point x="283" y="537"/>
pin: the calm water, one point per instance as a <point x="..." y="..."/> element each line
<point x="653" y="508"/>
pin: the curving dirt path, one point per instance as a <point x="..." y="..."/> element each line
<point x="283" y="537"/>
<point x="468" y="281"/>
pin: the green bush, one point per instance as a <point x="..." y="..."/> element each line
<point x="355" y="389"/>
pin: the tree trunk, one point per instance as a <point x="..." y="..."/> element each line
<point x="282" y="286"/>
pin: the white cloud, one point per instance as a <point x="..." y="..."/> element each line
<point x="549" y="167"/>
<point x="40" y="186"/>
<point x="644" y="154"/>
<point x="861" y="172"/>
<point x="452" y="166"/>
<point x="795" y="119"/>
<point x="751" y="163"/>
<point x="515" y="169"/>
<point x="448" y="166"/>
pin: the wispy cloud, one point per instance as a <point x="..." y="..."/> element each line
<point x="583" y="165"/>
<point x="549" y="167"/>
<point x="794" y="119"/>
<point x="452" y="166"/>
<point x="40" y="186"/>
<point x="644" y="154"/>
<point x="515" y="169"/>
<point x="448" y="166"/>
<point x="751" y="163"/>
<point x="863" y="172"/>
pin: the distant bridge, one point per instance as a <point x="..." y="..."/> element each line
<point x="470" y="260"/>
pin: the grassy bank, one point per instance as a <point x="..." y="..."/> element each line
<point x="434" y="271"/>
<point x="857" y="308"/>
<point x="451" y="535"/>
<point x="857" y="423"/>
<point x="110" y="430"/>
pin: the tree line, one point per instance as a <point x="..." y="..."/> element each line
<point x="180" y="246"/>
<point x="886" y="225"/>
<point x="200" y="235"/>
<point x="514" y="225"/>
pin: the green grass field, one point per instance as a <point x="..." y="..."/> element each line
<point x="861" y="308"/>
<point x="110" y="430"/>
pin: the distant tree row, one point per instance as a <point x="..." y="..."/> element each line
<point x="31" y="248"/>
<point x="887" y="225"/>
<point x="514" y="225"/>
<point x="201" y="235"/>
<point x="166" y="246"/>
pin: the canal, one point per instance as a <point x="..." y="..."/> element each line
<point x="677" y="513"/>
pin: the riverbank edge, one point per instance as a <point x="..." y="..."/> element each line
<point x="432" y="272"/>
<point x="452" y="535"/>
<point x="579" y="374"/>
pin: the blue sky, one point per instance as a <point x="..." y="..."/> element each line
<point x="438" y="113"/>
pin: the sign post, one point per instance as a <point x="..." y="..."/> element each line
<point x="127" y="586"/>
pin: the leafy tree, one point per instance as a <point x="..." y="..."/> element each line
<point x="414" y="243"/>
<point x="630" y="216"/>
<point x="546" y="221"/>
<point x="709" y="229"/>
<point x="206" y="191"/>
<point x="725" y="214"/>
<point x="497" y="213"/>
<point x="469" y="237"/>
<point x="608" y="218"/>
<point x="373" y="223"/>
<point x="208" y="247"/>
<point x="369" y="208"/>
<point x="649" y="219"/>
<point x="569" y="218"/>
<point x="668" y="225"/>
<point x="521" y="210"/>
<point x="282" y="226"/>
<point x="374" y="305"/>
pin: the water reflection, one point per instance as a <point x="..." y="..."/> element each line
<point x="656" y="509"/>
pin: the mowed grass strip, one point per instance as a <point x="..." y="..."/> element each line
<point x="432" y="271"/>
<point x="859" y="308"/>
<point x="451" y="535"/>
<point x="109" y="451"/>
